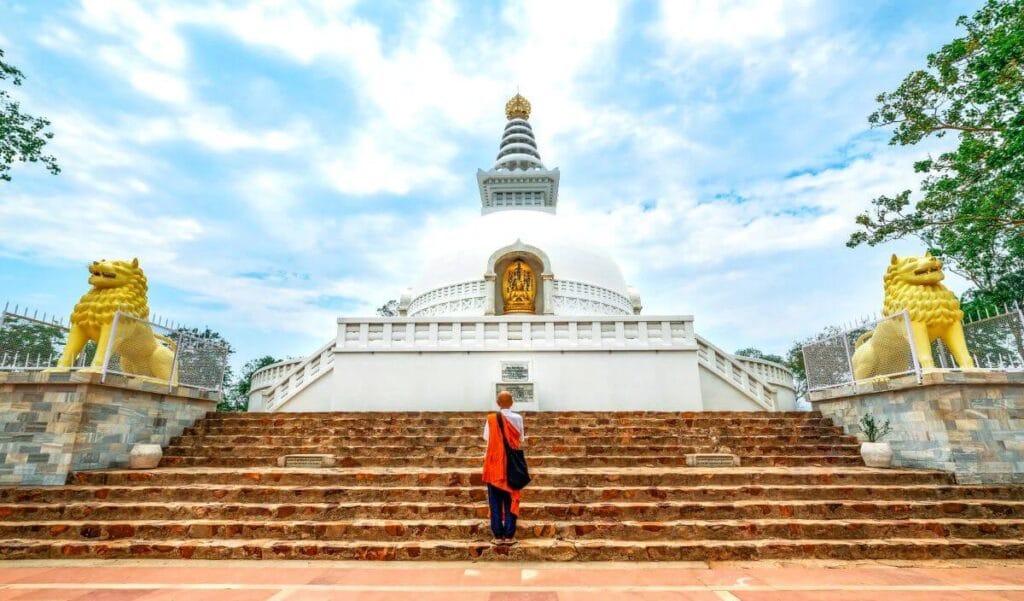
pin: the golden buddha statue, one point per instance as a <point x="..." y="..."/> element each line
<point x="519" y="288"/>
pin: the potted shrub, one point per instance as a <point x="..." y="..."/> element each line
<point x="875" y="453"/>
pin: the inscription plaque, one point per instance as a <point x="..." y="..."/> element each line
<point x="521" y="393"/>
<point x="515" y="371"/>
<point x="712" y="460"/>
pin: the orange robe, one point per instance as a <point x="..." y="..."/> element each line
<point x="494" y="461"/>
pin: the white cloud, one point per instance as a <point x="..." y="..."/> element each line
<point x="51" y="227"/>
<point x="643" y="136"/>
<point x="148" y="28"/>
<point x="707" y="26"/>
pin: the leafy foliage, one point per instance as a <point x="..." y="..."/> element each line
<point x="22" y="136"/>
<point x="754" y="353"/>
<point x="30" y="338"/>
<point x="388" y="309"/>
<point x="971" y="207"/>
<point x="236" y="398"/>
<point x="872" y="430"/>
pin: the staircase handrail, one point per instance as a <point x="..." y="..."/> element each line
<point x="776" y="374"/>
<point x="757" y="388"/>
<point x="285" y="366"/>
<point x="291" y="382"/>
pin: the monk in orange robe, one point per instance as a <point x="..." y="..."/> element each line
<point x="503" y="501"/>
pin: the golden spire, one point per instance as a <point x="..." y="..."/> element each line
<point x="517" y="107"/>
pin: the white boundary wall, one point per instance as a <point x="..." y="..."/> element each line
<point x="580" y="363"/>
<point x="410" y="364"/>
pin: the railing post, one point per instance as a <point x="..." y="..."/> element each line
<point x="913" y="347"/>
<point x="174" y="362"/>
<point x="849" y="358"/>
<point x="110" y="346"/>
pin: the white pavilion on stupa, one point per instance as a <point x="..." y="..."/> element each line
<point x="520" y="305"/>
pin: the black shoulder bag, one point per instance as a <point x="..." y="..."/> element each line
<point x="516" y="473"/>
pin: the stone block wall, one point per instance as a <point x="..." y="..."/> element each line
<point x="54" y="423"/>
<point x="969" y="423"/>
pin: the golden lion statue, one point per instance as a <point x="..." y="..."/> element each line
<point x="913" y="284"/>
<point x="118" y="286"/>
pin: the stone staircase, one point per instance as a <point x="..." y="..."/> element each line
<point x="606" y="487"/>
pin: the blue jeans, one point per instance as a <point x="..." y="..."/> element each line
<point x="503" y="521"/>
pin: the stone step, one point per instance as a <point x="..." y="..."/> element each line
<point x="529" y="550"/>
<point x="228" y="493"/>
<point x="475" y="430"/>
<point x="553" y="415"/>
<point x="470" y="476"/>
<point x="391" y="452"/>
<point x="529" y="420"/>
<point x="550" y="419"/>
<point x="534" y="460"/>
<point x="618" y="510"/>
<point x="476" y="440"/>
<point x="426" y="530"/>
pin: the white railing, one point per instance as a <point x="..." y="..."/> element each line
<point x="736" y="373"/>
<point x="271" y="374"/>
<point x="526" y="333"/>
<point x="770" y="371"/>
<point x="505" y="333"/>
<point x="300" y="375"/>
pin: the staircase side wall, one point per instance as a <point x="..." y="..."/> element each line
<point x="53" y="424"/>
<point x="719" y="395"/>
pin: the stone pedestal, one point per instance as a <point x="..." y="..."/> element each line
<point x="54" y="423"/>
<point x="969" y="423"/>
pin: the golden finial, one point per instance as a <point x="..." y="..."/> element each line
<point x="517" y="107"/>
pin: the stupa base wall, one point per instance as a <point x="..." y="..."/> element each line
<point x="561" y="381"/>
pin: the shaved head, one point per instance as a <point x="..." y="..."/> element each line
<point x="504" y="399"/>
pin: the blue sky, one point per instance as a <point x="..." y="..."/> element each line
<point x="277" y="164"/>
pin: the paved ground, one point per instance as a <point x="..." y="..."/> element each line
<point x="320" y="581"/>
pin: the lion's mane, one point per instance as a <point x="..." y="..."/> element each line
<point x="96" y="308"/>
<point x="932" y="304"/>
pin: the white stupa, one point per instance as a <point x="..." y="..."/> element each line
<point x="520" y="305"/>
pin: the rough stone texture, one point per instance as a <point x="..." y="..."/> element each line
<point x="54" y="423"/>
<point x="968" y="423"/>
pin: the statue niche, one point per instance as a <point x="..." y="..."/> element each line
<point x="519" y="288"/>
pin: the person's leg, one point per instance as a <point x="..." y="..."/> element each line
<point x="494" y="501"/>
<point x="510" y="518"/>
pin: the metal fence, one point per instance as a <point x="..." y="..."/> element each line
<point x="29" y="341"/>
<point x="885" y="351"/>
<point x="135" y="347"/>
<point x="995" y="340"/>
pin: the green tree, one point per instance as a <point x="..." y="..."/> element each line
<point x="388" y="309"/>
<point x="23" y="340"/>
<point x="754" y="353"/>
<point x="26" y="342"/>
<point x="236" y="398"/>
<point x="971" y="207"/>
<point x="22" y="136"/>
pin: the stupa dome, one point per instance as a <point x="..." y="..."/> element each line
<point x="519" y="202"/>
